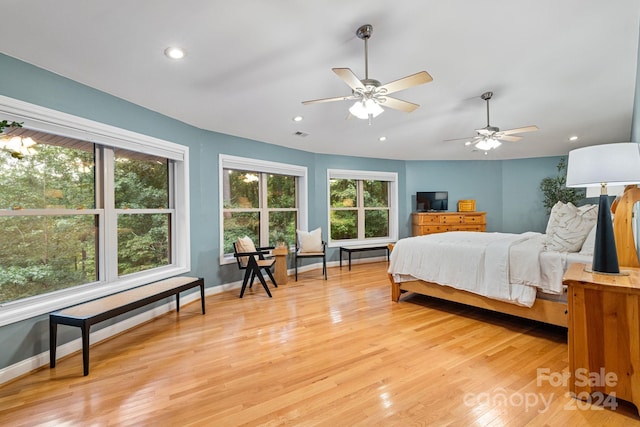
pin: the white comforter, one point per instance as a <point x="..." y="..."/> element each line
<point x="503" y="266"/>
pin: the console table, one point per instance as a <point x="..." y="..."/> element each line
<point x="604" y="335"/>
<point x="362" y="248"/>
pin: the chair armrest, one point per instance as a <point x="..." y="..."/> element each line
<point x="265" y="248"/>
<point x="241" y="254"/>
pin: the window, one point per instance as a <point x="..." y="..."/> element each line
<point x="263" y="200"/>
<point x="91" y="211"/>
<point x="362" y="206"/>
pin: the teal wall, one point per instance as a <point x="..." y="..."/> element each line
<point x="522" y="207"/>
<point x="507" y="190"/>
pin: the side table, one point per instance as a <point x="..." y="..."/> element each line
<point x="604" y="335"/>
<point x="280" y="273"/>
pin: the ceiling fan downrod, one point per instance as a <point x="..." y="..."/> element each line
<point x="364" y="33"/>
<point x="487" y="96"/>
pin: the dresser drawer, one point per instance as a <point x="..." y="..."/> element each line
<point x="451" y="219"/>
<point x="477" y="227"/>
<point x="420" y="230"/>
<point x="474" y="219"/>
<point x="420" y="219"/>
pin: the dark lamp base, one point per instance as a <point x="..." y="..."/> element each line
<point x="605" y="256"/>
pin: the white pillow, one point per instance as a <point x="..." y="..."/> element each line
<point x="572" y="225"/>
<point x="589" y="243"/>
<point x="557" y="211"/>
<point x="310" y="241"/>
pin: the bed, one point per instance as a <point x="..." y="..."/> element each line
<point x="516" y="274"/>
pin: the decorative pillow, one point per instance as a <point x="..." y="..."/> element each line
<point x="245" y="244"/>
<point x="557" y="211"/>
<point x="571" y="227"/>
<point x="310" y="241"/>
<point x="589" y="243"/>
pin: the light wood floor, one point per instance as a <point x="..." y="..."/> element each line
<point x="335" y="353"/>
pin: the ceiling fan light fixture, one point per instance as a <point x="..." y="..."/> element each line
<point x="487" y="144"/>
<point x="366" y="108"/>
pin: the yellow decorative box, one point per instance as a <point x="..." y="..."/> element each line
<point x="466" y="205"/>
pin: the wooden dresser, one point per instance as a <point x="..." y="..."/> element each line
<point x="439" y="222"/>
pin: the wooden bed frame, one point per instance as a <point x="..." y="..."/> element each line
<point x="546" y="311"/>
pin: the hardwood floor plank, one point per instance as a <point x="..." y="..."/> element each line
<point x="319" y="353"/>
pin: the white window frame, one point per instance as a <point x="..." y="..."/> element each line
<point x="254" y="165"/>
<point x="392" y="179"/>
<point x="46" y="120"/>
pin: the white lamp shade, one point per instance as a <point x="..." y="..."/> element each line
<point x="614" y="164"/>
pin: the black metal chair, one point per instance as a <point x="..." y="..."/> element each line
<point x="298" y="254"/>
<point x="253" y="263"/>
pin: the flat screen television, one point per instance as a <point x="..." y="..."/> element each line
<point x="432" y="201"/>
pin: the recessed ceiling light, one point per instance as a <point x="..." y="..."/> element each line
<point x="573" y="138"/>
<point x="382" y="138"/>
<point x="174" y="52"/>
<point x="298" y="118"/>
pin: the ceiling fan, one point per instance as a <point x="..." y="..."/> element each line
<point x="489" y="137"/>
<point x="369" y="94"/>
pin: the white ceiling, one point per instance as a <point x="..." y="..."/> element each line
<point x="567" y="66"/>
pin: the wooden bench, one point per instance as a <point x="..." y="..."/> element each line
<point x="86" y="314"/>
<point x="350" y="249"/>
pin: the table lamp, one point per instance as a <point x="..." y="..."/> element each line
<point x="599" y="166"/>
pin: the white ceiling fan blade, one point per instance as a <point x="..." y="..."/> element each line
<point x="349" y="78"/>
<point x="406" y="82"/>
<point x="508" y="138"/>
<point x="398" y="104"/>
<point x="337" y="98"/>
<point x="520" y="130"/>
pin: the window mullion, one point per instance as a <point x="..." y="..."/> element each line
<point x="264" y="211"/>
<point x="360" y="195"/>
<point x="110" y="247"/>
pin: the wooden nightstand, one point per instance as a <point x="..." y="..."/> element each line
<point x="604" y="335"/>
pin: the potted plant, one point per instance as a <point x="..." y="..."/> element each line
<point x="554" y="188"/>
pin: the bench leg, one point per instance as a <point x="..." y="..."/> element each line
<point x="349" y="260"/>
<point x="178" y="302"/>
<point x="53" y="339"/>
<point x="202" y="296"/>
<point x="85" y="348"/>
